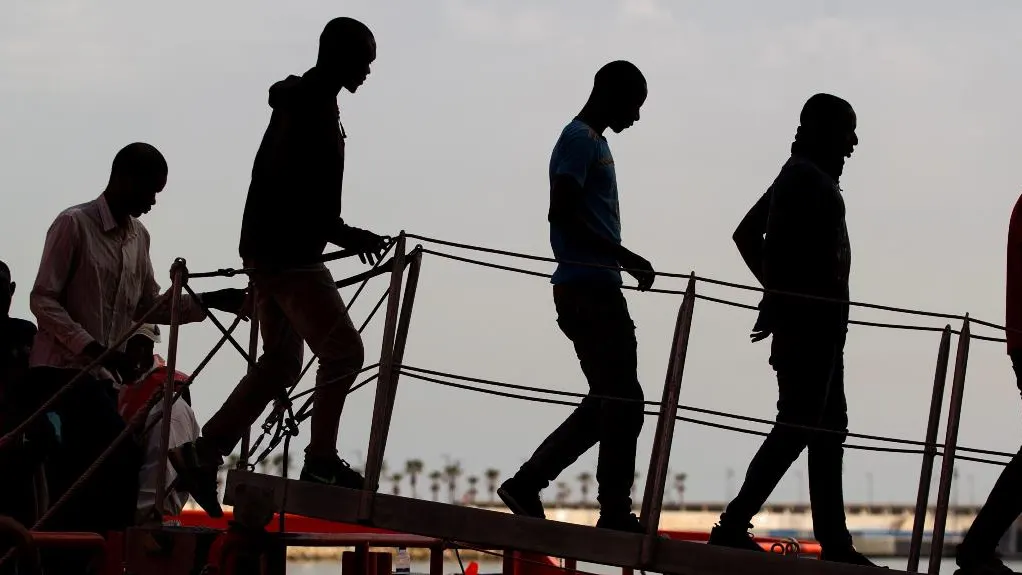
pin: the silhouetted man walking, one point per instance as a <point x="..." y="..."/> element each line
<point x="292" y="213"/>
<point x="795" y="240"/>
<point x="585" y="227"/>
<point x="977" y="553"/>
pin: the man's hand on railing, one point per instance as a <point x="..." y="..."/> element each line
<point x="370" y="247"/>
<point x="638" y="267"/>
<point x="230" y="300"/>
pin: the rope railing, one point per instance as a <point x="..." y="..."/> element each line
<point x="424" y="374"/>
<point x="717" y="300"/>
<point x="722" y="283"/>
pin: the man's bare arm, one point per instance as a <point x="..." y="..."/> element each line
<point x="748" y="236"/>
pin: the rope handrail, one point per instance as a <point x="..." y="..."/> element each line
<point x="907" y="327"/>
<point x="879" y="438"/>
<point x="722" y="283"/>
<point x="696" y="421"/>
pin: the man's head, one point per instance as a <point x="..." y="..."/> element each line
<point x="140" y="349"/>
<point x="619" y="90"/>
<point x="6" y="290"/>
<point x="829" y="121"/>
<point x="346" y="49"/>
<point x="139" y="172"/>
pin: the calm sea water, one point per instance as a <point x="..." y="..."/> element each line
<point x="487" y="568"/>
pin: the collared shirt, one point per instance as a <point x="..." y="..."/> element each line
<point x="95" y="279"/>
<point x="183" y="428"/>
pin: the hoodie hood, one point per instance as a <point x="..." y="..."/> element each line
<point x="294" y="89"/>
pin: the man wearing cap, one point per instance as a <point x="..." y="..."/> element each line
<point x="146" y="377"/>
<point x="794" y="240"/>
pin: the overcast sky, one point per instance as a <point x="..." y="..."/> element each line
<point x="451" y="135"/>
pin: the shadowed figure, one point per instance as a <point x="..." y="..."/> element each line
<point x="585" y="227"/>
<point x="291" y="214"/>
<point x="976" y="555"/>
<point x="95" y="280"/>
<point x="794" y="239"/>
<point x="19" y="463"/>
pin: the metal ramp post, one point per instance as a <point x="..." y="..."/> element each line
<point x="395" y="335"/>
<point x="950" y="442"/>
<point x="656" y="478"/>
<point x="253" y="352"/>
<point x="930" y="450"/>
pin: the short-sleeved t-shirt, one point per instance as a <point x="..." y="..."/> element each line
<point x="584" y="155"/>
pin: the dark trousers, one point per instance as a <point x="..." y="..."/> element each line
<point x="1002" y="507"/>
<point x="597" y="322"/>
<point x="810" y="381"/>
<point x="294" y="308"/>
<point x="89" y="423"/>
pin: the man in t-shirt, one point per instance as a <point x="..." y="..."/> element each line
<point x="585" y="228"/>
<point x="977" y="553"/>
<point x="794" y="240"/>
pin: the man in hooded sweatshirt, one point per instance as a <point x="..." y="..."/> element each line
<point x="794" y="240"/>
<point x="292" y="213"/>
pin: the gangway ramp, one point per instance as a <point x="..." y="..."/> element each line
<point x="502" y="531"/>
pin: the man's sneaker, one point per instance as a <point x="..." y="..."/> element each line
<point x="331" y="471"/>
<point x="520" y="499"/>
<point x="847" y="555"/>
<point x="628" y="523"/>
<point x="196" y="466"/>
<point x="727" y="536"/>
<point x="988" y="566"/>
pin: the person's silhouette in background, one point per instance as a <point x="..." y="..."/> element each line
<point x="585" y="227"/>
<point x="19" y="463"/>
<point x="16" y="335"/>
<point x="291" y="214"/>
<point x="795" y="240"/>
<point x="976" y="555"/>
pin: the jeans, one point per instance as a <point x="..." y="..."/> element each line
<point x="1002" y="507"/>
<point x="810" y="381"/>
<point x="597" y="322"/>
<point x="295" y="306"/>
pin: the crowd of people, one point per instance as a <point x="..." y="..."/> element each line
<point x="95" y="280"/>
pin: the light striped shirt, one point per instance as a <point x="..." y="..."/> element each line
<point x="95" y="279"/>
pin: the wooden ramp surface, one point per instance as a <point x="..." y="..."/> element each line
<point x="503" y="531"/>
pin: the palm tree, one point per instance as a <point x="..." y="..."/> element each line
<point x="452" y="471"/>
<point x="563" y="493"/>
<point x="395" y="479"/>
<point x="472" y="491"/>
<point x="679" y="486"/>
<point x="413" y="467"/>
<point x="434" y="483"/>
<point x="584" y="480"/>
<point x="492" y="476"/>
